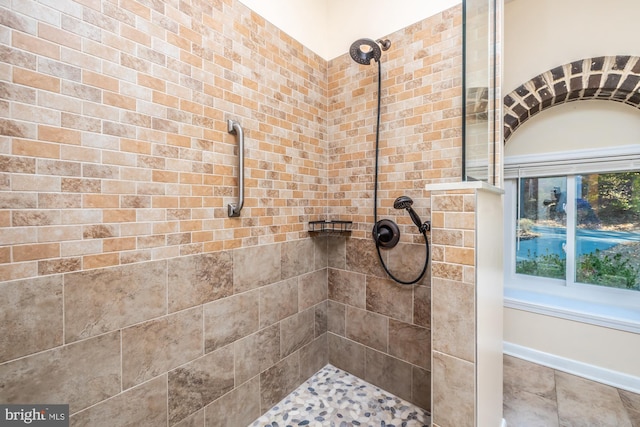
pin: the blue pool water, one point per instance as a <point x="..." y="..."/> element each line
<point x="551" y="240"/>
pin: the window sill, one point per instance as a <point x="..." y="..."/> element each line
<point x="623" y="318"/>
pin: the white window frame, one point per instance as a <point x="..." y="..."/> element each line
<point x="593" y="304"/>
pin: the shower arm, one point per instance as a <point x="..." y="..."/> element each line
<point x="234" y="128"/>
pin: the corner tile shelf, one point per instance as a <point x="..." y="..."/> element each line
<point x="330" y="226"/>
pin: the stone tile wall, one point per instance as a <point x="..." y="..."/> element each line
<point x="420" y="130"/>
<point x="117" y="350"/>
<point x="454" y="308"/>
<point x="379" y="330"/>
<point x="125" y="289"/>
<point x="466" y="305"/>
<point x="113" y="136"/>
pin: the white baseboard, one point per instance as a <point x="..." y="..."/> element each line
<point x="504" y="423"/>
<point x="591" y="372"/>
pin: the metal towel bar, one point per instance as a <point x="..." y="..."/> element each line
<point x="234" y="128"/>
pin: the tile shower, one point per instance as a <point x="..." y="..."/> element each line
<point x="125" y="290"/>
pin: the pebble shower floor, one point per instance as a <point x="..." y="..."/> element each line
<point x="335" y="398"/>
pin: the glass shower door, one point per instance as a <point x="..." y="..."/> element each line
<point x="482" y="103"/>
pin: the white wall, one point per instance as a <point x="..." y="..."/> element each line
<point x="539" y="35"/>
<point x="542" y="34"/>
<point x="328" y="27"/>
<point x="596" y="352"/>
<point x="577" y="126"/>
<point x="304" y="20"/>
<point x="355" y="19"/>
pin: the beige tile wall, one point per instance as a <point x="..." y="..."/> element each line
<point x="125" y="290"/>
<point x="420" y="133"/>
<point x="114" y="144"/>
<point x="107" y="342"/>
<point x="121" y="278"/>
<point x="466" y="305"/>
<point x="379" y="330"/>
<point x="454" y="308"/>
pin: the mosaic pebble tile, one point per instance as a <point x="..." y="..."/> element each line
<point x="335" y="398"/>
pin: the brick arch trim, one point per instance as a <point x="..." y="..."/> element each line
<point x="614" y="78"/>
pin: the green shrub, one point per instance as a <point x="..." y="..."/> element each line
<point x="614" y="271"/>
<point x="548" y="265"/>
<point x="593" y="268"/>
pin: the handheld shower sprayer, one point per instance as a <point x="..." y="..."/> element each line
<point x="405" y="202"/>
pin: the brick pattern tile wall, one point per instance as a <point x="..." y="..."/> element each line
<point x="127" y="291"/>
<point x="420" y="133"/>
<point x="379" y="330"/>
<point x="114" y="145"/>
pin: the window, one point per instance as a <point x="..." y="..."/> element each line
<point x="541" y="230"/>
<point x="572" y="236"/>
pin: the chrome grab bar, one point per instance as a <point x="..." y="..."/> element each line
<point x="234" y="128"/>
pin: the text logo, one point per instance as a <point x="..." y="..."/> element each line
<point x="34" y="415"/>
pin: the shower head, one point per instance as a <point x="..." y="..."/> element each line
<point x="405" y="202"/>
<point x="364" y="50"/>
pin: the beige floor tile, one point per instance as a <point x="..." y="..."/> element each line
<point x="535" y="395"/>
<point x="522" y="409"/>
<point x="520" y="375"/>
<point x="583" y="403"/>
<point x="631" y="402"/>
<point x="634" y="417"/>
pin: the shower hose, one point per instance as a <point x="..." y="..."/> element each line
<point x="375" y="201"/>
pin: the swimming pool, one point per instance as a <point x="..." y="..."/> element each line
<point x="552" y="240"/>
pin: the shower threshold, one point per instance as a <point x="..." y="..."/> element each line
<point x="333" y="397"/>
